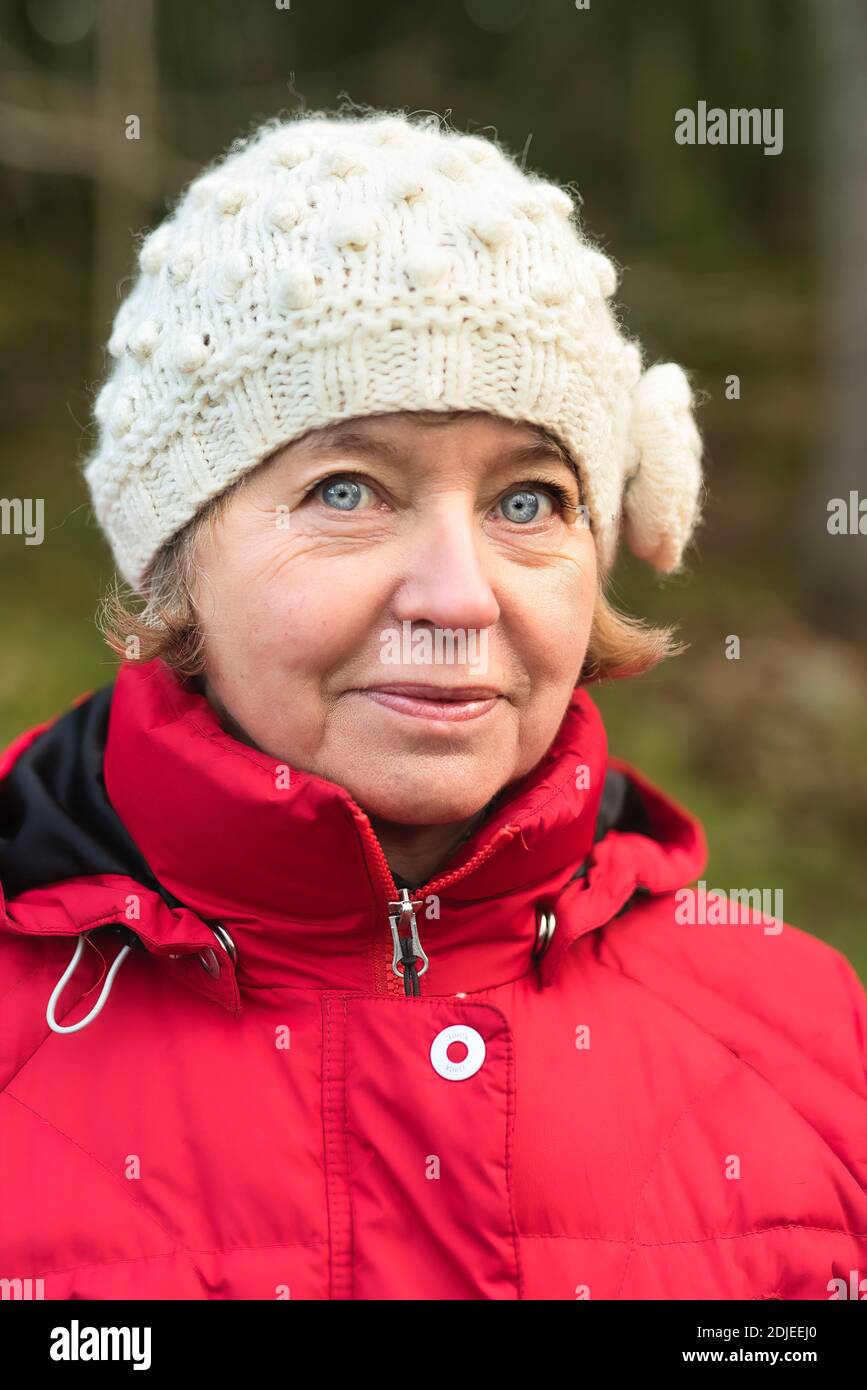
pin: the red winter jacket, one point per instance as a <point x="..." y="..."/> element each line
<point x="587" y="1098"/>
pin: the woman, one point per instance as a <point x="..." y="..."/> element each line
<point x="339" y="959"/>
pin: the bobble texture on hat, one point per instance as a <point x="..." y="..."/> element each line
<point x="336" y="266"/>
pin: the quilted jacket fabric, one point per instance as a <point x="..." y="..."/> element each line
<point x="590" y="1097"/>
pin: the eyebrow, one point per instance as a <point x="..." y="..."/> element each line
<point x="333" y="438"/>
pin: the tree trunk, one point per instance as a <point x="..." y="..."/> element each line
<point x="126" y="85"/>
<point x="836" y="565"/>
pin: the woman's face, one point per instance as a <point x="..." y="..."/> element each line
<point x="398" y="551"/>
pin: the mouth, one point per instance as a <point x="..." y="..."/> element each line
<point x="452" y="704"/>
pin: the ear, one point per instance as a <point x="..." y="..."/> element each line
<point x="663" y="492"/>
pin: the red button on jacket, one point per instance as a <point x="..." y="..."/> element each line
<point x="589" y="1097"/>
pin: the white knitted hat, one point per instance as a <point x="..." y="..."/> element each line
<point x="330" y="266"/>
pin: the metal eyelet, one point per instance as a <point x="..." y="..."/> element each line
<point x="546" y="923"/>
<point x="209" y="962"/>
<point x="208" y="958"/>
<point x="225" y="941"/>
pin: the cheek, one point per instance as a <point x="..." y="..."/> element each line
<point x="556" y="604"/>
<point x="275" y="611"/>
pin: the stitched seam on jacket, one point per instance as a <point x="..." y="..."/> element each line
<point x="22" y="980"/>
<point x="79" y="926"/>
<point x="698" y="1240"/>
<point x="178" y="1249"/>
<point x="792" y="1042"/>
<point x="315" y="1245"/>
<point x="708" y="1086"/>
<point x="766" y="1080"/>
<point x="173" y="1255"/>
<point x="346" y="1169"/>
<point x="511" y="1115"/>
<point x="336" y="1174"/>
<point x="4" y="1089"/>
<point x="326" y="1164"/>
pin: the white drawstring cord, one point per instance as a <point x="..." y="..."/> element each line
<point x="58" y="989"/>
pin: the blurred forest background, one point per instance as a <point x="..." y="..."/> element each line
<point x="734" y="262"/>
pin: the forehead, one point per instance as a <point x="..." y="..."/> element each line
<point x="393" y="433"/>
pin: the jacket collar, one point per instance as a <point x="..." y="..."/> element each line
<point x="295" y="873"/>
<point x="168" y="807"/>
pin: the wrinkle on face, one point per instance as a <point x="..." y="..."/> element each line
<point x="294" y="614"/>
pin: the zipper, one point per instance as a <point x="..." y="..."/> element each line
<point x="407" y="945"/>
<point x="406" y="962"/>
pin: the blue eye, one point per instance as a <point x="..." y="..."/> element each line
<point x="344" y="493"/>
<point x="524" y="505"/>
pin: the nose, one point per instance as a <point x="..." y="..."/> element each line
<point x="445" y="580"/>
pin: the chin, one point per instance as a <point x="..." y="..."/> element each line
<point x="433" y="802"/>
<point x="432" y="814"/>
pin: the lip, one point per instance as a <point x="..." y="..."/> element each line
<point x="450" y="704"/>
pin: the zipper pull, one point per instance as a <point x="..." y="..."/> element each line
<point x="407" y="946"/>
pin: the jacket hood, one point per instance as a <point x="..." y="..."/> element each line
<point x="137" y="808"/>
